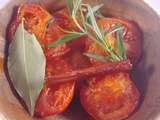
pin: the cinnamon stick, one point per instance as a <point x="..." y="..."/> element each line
<point x="123" y="66"/>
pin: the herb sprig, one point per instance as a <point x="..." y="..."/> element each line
<point x="84" y="17"/>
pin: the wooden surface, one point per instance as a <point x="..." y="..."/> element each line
<point x="146" y="75"/>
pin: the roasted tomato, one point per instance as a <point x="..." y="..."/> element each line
<point x="43" y="25"/>
<point x="36" y="20"/>
<point x="61" y="20"/>
<point x="54" y="99"/>
<point x="53" y="5"/>
<point x="53" y="33"/>
<point x="111" y="97"/>
<point x="78" y="60"/>
<point x="131" y="35"/>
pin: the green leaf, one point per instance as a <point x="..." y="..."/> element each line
<point x="110" y="58"/>
<point x="94" y="23"/>
<point x="119" y="43"/>
<point x="95" y="9"/>
<point x="82" y="18"/>
<point x="115" y="29"/>
<point x="66" y="38"/>
<point x="89" y="27"/>
<point x="95" y="56"/>
<point x="99" y="15"/>
<point x="69" y="32"/>
<point x="70" y="5"/>
<point x="76" y="5"/>
<point x="26" y="66"/>
<point x="99" y="35"/>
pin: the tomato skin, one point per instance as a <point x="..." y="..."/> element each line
<point x="63" y="19"/>
<point x="36" y="19"/>
<point x="110" y="97"/>
<point x="56" y="98"/>
<point x="132" y="38"/>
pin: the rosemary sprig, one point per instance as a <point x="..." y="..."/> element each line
<point x="119" y="43"/>
<point x="70" y="5"/>
<point x="66" y="38"/>
<point x="84" y="17"/>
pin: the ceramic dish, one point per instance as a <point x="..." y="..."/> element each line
<point x="147" y="71"/>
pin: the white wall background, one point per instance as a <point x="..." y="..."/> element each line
<point x="3" y="2"/>
<point x="155" y="4"/>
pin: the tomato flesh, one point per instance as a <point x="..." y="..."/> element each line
<point x="54" y="99"/>
<point x="35" y="17"/>
<point x="109" y="97"/>
<point x="54" y="33"/>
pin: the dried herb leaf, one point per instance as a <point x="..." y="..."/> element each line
<point x="66" y="38"/>
<point x="87" y="24"/>
<point x="70" y="5"/>
<point x="95" y="56"/>
<point x="76" y="7"/>
<point x="93" y="22"/>
<point x="119" y="43"/>
<point x="26" y="66"/>
<point x="96" y="9"/>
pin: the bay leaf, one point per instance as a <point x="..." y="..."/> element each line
<point x="26" y="66"/>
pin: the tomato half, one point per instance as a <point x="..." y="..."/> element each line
<point x="61" y="21"/>
<point x="53" y="33"/>
<point x="110" y="97"/>
<point x="131" y="35"/>
<point x="42" y="24"/>
<point x="36" y="19"/>
<point x="54" y="99"/>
